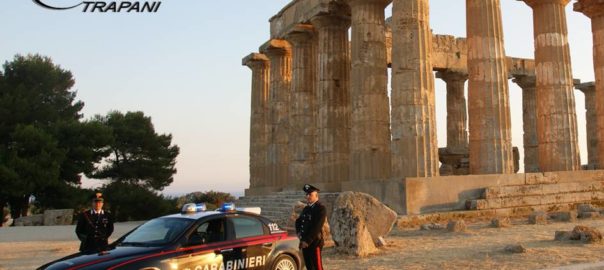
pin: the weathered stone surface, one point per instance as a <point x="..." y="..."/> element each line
<point x="381" y="242"/>
<point x="556" y="114"/>
<point x="587" y="215"/>
<point x="456" y="226"/>
<point x="589" y="91"/>
<point x="58" y="217"/>
<point x="370" y="156"/>
<point x="537" y="217"/>
<point x="357" y="221"/>
<point x="563" y="235"/>
<point x="432" y="227"/>
<point x="457" y="122"/>
<point x="501" y="222"/>
<point x="566" y="216"/>
<point x="490" y="141"/>
<point x="585" y="207"/>
<point x="586" y="234"/>
<point x="515" y="249"/>
<point x="33" y="220"/>
<point x="529" y="121"/>
<point x="414" y="146"/>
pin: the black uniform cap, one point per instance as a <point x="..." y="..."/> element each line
<point x="97" y="197"/>
<point x="310" y="188"/>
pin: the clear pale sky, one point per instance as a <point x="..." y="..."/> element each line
<point x="182" y="67"/>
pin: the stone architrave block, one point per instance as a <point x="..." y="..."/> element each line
<point x="357" y="221"/>
<point x="537" y="217"/>
<point x="501" y="222"/>
<point x="58" y="217"/>
<point x="33" y="220"/>
<point x="565" y="216"/>
<point x="456" y="226"/>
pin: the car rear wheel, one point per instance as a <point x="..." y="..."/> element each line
<point x="285" y="262"/>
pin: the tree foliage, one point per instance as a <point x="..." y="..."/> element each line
<point x="128" y="201"/>
<point x="212" y="198"/>
<point x="138" y="155"/>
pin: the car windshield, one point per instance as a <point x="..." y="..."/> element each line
<point x="157" y="232"/>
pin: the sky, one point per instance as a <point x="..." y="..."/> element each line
<point x="182" y="66"/>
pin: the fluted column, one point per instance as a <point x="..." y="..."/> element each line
<point x="414" y="147"/>
<point x="370" y="121"/>
<point x="556" y="116"/>
<point x="333" y="97"/>
<point x="490" y="143"/>
<point x="302" y="133"/>
<point x="457" y="133"/>
<point x="589" y="90"/>
<point x="529" y="122"/>
<point x="595" y="11"/>
<point x="279" y="53"/>
<point x="260" y="67"/>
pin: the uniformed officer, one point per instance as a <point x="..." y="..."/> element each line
<point x="94" y="227"/>
<point x="309" y="227"/>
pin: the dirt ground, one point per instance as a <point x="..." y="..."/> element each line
<point x="481" y="247"/>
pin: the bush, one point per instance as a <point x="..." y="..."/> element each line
<point x="212" y="199"/>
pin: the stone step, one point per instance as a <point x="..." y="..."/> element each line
<point x="542" y="189"/>
<point x="534" y="200"/>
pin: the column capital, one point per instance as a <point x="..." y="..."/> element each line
<point x="275" y="47"/>
<point x="301" y="33"/>
<point x="326" y="20"/>
<point x="588" y="87"/>
<point x="525" y="81"/>
<point x="452" y="75"/>
<point x="535" y="3"/>
<point x="354" y="3"/>
<point x="254" y="59"/>
<point x="591" y="8"/>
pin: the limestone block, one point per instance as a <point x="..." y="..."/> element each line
<point x="33" y="220"/>
<point x="562" y="235"/>
<point x="586" y="234"/>
<point x="381" y="242"/>
<point x="566" y="216"/>
<point x="501" y="222"/>
<point x="378" y="217"/>
<point x="587" y="215"/>
<point x="431" y="227"/>
<point x="350" y="233"/>
<point x="586" y="208"/>
<point x="537" y="217"/>
<point x="456" y="226"/>
<point x="515" y="249"/>
<point x="58" y="217"/>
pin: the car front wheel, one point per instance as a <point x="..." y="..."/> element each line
<point x="285" y="262"/>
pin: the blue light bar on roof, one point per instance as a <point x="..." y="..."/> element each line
<point x="226" y="207"/>
<point x="193" y="207"/>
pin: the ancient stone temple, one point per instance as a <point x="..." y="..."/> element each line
<point x="321" y="112"/>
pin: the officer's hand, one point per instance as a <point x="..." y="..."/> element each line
<point x="303" y="244"/>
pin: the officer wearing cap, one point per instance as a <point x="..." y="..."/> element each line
<point x="94" y="226"/>
<point x="309" y="227"/>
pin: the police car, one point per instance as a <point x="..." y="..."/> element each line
<point x="196" y="239"/>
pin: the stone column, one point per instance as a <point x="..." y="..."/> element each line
<point x="457" y="133"/>
<point x="333" y="100"/>
<point x="556" y="116"/>
<point x="490" y="143"/>
<point x="279" y="54"/>
<point x="370" y="156"/>
<point x="302" y="133"/>
<point x="260" y="67"/>
<point x="529" y="122"/>
<point x="595" y="11"/>
<point x="589" y="89"/>
<point x="414" y="147"/>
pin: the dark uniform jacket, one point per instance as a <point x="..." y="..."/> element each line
<point x="94" y="230"/>
<point x="309" y="225"/>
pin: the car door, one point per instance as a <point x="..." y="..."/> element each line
<point x="253" y="245"/>
<point x="203" y="247"/>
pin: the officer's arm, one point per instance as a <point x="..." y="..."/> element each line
<point x="81" y="227"/>
<point x="110" y="226"/>
<point x="315" y="228"/>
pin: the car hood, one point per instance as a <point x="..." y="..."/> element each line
<point x="81" y="260"/>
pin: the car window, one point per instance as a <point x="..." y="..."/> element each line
<point x="210" y="231"/>
<point x="157" y="231"/>
<point x="247" y="226"/>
